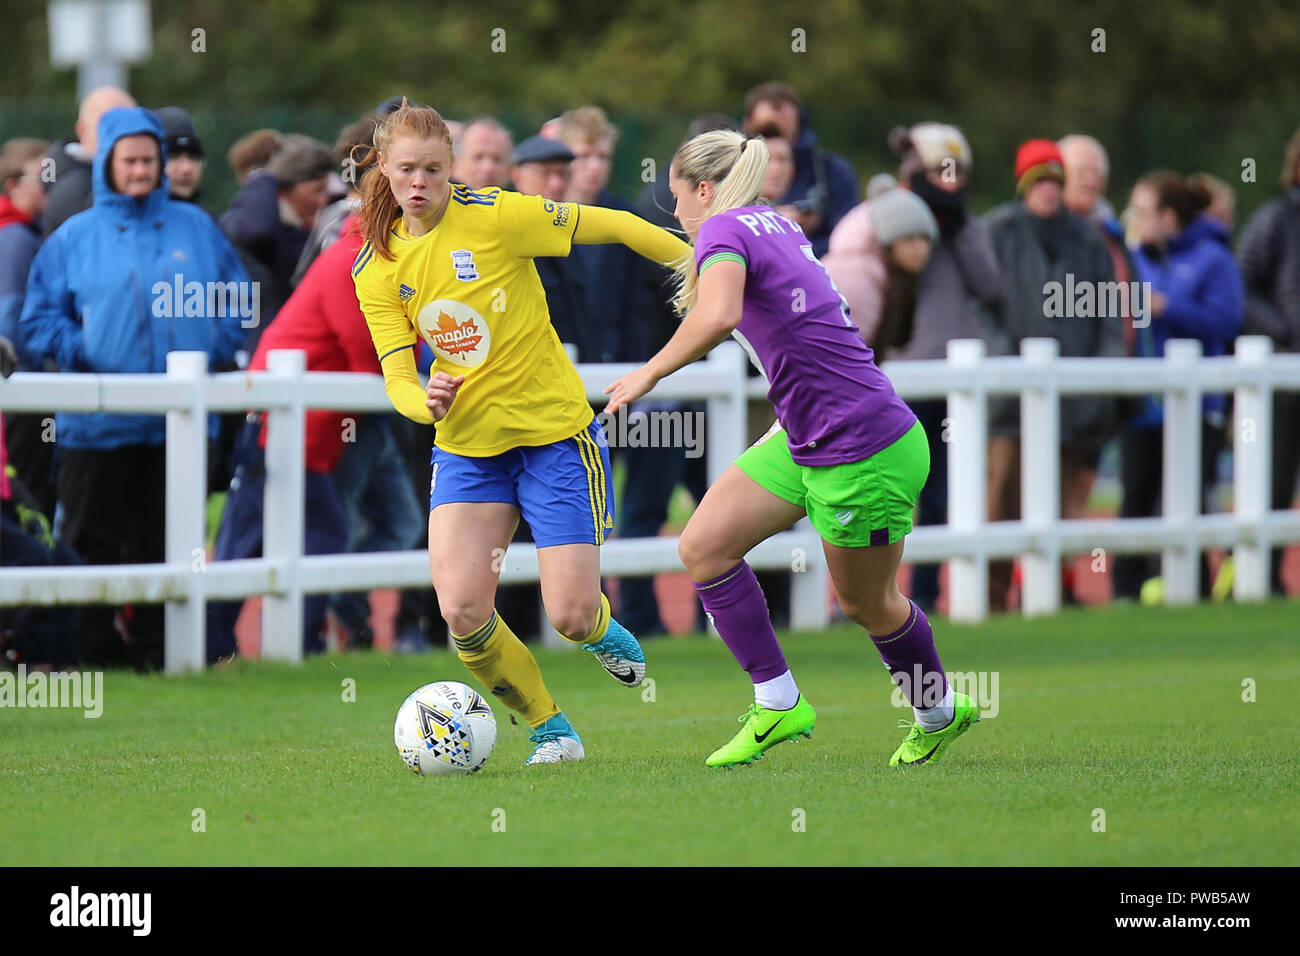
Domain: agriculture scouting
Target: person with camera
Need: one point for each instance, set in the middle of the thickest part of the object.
(825, 186)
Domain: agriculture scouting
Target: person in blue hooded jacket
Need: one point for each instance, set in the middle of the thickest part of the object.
(113, 290)
(1196, 293)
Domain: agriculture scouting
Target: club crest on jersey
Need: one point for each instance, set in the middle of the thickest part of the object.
(455, 331)
(405, 292)
(463, 260)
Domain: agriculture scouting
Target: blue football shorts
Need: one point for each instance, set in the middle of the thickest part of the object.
(564, 490)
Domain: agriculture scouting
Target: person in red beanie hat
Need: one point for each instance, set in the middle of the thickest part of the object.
(1040, 244)
(1040, 177)
(1038, 159)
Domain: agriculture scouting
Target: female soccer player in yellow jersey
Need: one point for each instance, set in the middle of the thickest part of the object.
(516, 435)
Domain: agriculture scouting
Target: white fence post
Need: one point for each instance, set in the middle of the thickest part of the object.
(185, 622)
(1181, 488)
(1252, 454)
(726, 430)
(1040, 481)
(726, 422)
(968, 575)
(810, 588)
(282, 510)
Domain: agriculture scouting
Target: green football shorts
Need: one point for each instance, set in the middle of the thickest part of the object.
(862, 503)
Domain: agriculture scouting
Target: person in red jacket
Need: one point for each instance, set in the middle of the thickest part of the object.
(323, 319)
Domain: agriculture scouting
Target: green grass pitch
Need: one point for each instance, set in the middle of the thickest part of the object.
(1135, 712)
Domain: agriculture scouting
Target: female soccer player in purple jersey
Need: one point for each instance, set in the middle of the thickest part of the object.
(846, 451)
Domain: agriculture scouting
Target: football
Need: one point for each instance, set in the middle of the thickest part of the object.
(445, 727)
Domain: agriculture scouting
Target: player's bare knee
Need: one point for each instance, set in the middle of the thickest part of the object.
(465, 619)
(700, 557)
(866, 610)
(576, 619)
(688, 551)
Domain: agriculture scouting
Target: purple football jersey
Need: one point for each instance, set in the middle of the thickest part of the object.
(835, 404)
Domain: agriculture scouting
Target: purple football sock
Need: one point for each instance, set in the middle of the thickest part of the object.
(735, 604)
(910, 655)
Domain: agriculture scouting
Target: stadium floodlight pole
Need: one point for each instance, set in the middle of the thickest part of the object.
(100, 38)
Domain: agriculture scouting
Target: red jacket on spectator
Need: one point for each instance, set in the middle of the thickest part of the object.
(323, 319)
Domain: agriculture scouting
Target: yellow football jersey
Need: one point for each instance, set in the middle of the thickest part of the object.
(469, 288)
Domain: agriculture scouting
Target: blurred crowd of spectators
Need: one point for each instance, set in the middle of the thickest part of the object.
(91, 227)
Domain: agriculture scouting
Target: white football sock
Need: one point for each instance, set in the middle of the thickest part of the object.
(779, 693)
(936, 718)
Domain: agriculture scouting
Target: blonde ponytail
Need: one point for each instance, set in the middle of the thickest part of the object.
(736, 166)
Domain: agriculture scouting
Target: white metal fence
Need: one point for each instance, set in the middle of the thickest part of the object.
(186, 394)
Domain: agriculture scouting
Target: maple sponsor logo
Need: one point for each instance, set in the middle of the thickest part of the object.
(456, 332)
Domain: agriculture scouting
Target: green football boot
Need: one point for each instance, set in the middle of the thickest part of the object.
(921, 747)
(764, 728)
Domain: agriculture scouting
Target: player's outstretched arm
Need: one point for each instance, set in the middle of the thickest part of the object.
(717, 312)
(596, 224)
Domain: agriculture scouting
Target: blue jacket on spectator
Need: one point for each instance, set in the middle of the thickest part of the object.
(1204, 299)
(102, 293)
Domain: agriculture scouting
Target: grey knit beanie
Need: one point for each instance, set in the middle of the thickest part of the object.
(899, 213)
(879, 183)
